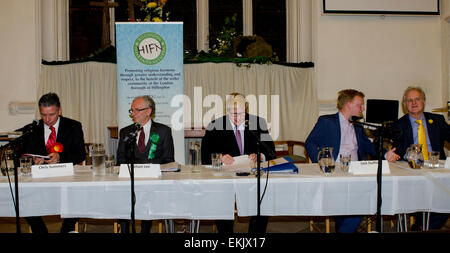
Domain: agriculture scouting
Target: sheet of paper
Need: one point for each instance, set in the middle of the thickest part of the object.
(243, 159)
(40, 156)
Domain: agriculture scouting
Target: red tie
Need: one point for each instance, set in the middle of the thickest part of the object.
(141, 141)
(51, 140)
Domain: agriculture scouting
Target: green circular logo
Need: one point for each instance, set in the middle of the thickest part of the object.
(149, 48)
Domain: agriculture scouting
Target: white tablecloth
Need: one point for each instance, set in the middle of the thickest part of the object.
(313, 194)
(212, 195)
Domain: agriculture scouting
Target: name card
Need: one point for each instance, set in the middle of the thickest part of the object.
(368, 167)
(52, 170)
(447, 163)
(141, 170)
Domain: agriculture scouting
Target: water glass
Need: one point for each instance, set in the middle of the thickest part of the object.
(345, 161)
(216, 161)
(109, 165)
(433, 159)
(97, 152)
(25, 166)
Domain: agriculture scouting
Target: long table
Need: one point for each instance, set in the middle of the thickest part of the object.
(211, 194)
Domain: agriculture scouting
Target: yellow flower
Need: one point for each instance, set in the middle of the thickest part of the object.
(151, 5)
(156, 19)
(430, 121)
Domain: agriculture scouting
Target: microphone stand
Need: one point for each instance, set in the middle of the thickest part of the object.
(131, 142)
(258, 170)
(380, 132)
(13, 144)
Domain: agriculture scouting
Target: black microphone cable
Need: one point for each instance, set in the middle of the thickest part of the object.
(9, 179)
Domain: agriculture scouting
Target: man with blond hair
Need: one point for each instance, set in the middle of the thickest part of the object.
(336, 131)
(233, 135)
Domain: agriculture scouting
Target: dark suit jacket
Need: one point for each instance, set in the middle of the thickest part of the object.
(327, 133)
(438, 132)
(70, 135)
(164, 149)
(219, 138)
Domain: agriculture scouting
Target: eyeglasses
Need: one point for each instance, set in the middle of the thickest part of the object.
(137, 109)
(413, 100)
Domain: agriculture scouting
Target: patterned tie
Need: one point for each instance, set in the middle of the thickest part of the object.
(238, 140)
(51, 140)
(141, 141)
(422, 139)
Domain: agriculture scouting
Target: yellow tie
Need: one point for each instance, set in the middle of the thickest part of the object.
(422, 139)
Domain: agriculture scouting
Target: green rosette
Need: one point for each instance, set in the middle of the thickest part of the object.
(154, 138)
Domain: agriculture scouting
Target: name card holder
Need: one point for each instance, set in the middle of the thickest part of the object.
(368, 167)
(141, 170)
(52, 170)
(447, 163)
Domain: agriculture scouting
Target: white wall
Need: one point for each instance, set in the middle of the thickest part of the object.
(380, 56)
(20, 58)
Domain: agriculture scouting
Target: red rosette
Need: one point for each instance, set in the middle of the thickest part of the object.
(57, 148)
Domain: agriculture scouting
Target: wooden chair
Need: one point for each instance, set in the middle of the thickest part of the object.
(287, 149)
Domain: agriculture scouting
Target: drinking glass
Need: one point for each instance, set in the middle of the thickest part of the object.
(345, 160)
(216, 161)
(109, 164)
(433, 159)
(25, 166)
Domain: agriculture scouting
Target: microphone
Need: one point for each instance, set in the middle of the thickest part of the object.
(355, 118)
(132, 134)
(29, 127)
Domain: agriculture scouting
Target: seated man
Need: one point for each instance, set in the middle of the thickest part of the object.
(231, 136)
(336, 131)
(143, 111)
(435, 132)
(54, 128)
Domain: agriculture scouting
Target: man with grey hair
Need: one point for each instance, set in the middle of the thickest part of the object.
(420, 127)
(154, 144)
(53, 128)
(233, 135)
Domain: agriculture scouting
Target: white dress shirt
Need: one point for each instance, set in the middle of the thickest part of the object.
(47, 131)
(349, 144)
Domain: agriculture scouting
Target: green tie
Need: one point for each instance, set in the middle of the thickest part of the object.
(422, 139)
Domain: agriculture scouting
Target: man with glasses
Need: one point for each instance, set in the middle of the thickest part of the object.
(235, 135)
(54, 128)
(435, 132)
(154, 144)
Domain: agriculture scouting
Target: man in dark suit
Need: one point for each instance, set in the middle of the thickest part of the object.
(54, 128)
(233, 135)
(336, 131)
(154, 144)
(437, 131)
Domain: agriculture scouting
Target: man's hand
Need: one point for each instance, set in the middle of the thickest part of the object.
(38, 160)
(227, 159)
(253, 157)
(391, 156)
(54, 158)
